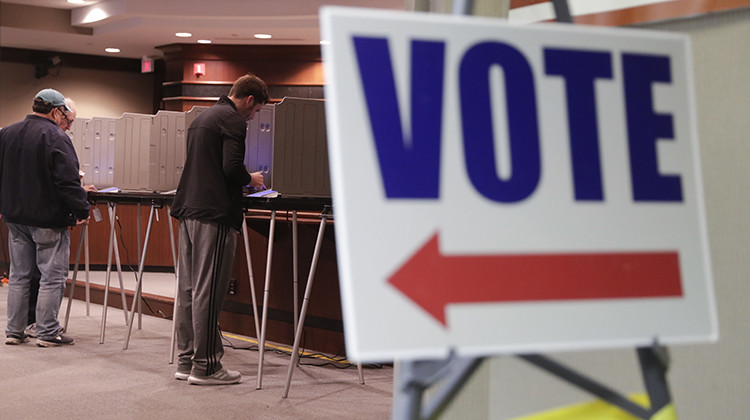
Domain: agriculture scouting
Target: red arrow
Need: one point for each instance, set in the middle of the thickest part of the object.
(433, 280)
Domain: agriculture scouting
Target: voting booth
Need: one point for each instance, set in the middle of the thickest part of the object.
(135, 152)
(287, 142)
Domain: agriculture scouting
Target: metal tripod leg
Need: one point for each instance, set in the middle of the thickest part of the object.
(246, 238)
(585, 383)
(562, 11)
(654, 365)
(139, 281)
(118, 264)
(295, 271)
(299, 325)
(75, 274)
(85, 233)
(361, 373)
(139, 223)
(266, 289)
(112, 212)
(305, 302)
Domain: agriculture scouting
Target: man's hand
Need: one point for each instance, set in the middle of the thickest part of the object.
(257, 181)
(90, 188)
(83, 221)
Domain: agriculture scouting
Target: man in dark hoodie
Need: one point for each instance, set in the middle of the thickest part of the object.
(40, 196)
(208, 203)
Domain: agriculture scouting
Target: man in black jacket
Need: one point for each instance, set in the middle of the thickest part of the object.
(65, 125)
(208, 203)
(40, 196)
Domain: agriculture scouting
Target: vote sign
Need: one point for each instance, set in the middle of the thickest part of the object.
(502, 188)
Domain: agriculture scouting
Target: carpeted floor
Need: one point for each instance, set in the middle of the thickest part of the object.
(96, 381)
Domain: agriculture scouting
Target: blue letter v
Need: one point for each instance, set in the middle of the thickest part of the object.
(409, 169)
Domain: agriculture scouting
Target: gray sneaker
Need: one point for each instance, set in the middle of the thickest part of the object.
(181, 376)
(60, 340)
(15, 339)
(222, 377)
(30, 330)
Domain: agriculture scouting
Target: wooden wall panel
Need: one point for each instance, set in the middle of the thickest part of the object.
(614, 15)
(282, 67)
(159, 255)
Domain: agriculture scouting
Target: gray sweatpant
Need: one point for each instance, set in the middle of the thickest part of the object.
(205, 266)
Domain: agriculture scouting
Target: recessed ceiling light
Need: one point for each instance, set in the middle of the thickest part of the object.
(95, 15)
(112, 50)
(183, 34)
(204, 41)
(262, 36)
(76, 1)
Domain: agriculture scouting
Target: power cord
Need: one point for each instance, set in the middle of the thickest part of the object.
(336, 361)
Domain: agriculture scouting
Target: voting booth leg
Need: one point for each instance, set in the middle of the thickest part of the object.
(413, 378)
(251, 278)
(73, 280)
(266, 289)
(118, 264)
(111, 213)
(300, 323)
(361, 373)
(305, 302)
(85, 233)
(141, 255)
(139, 281)
(295, 270)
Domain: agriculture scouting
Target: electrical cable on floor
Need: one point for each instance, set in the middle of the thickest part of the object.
(335, 361)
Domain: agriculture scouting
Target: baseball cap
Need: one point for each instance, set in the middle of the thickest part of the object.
(53, 97)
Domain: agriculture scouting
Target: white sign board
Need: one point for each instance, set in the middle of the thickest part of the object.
(502, 188)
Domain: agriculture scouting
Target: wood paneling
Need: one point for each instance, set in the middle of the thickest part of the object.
(660, 11)
(665, 10)
(225, 63)
(288, 70)
(159, 253)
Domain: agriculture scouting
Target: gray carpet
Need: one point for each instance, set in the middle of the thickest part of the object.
(90, 380)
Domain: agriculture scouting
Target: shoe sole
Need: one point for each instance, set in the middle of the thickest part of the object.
(181, 376)
(15, 341)
(192, 380)
(51, 344)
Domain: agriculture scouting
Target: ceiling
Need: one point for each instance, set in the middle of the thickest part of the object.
(136, 27)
